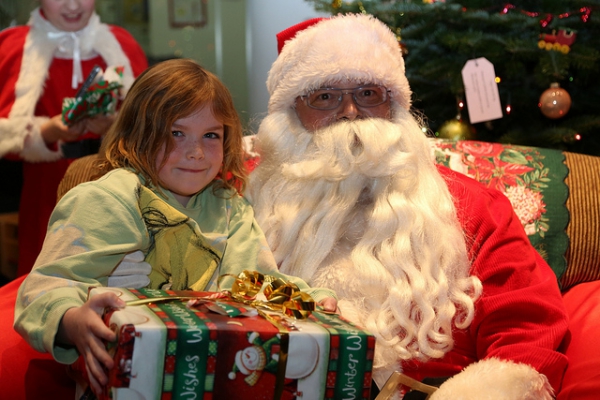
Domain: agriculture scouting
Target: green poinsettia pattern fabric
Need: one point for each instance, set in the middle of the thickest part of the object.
(532, 178)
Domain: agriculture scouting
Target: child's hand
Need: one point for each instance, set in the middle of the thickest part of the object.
(54, 130)
(99, 124)
(329, 304)
(83, 327)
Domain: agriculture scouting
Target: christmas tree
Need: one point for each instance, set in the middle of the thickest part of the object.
(532, 46)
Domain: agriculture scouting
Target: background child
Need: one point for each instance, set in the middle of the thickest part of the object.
(40, 64)
(176, 134)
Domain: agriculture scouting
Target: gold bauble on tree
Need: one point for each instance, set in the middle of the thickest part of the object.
(456, 129)
(555, 102)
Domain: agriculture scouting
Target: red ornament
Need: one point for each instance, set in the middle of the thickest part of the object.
(546, 21)
(585, 13)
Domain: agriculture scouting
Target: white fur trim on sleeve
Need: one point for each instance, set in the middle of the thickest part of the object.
(22, 135)
(34, 147)
(494, 379)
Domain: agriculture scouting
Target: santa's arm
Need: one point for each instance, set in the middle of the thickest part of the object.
(520, 319)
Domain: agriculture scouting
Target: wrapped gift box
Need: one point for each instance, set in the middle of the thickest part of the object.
(167, 349)
(99, 99)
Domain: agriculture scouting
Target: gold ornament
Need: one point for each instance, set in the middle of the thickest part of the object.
(555, 102)
(456, 129)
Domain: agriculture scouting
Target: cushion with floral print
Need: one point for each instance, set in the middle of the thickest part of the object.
(532, 178)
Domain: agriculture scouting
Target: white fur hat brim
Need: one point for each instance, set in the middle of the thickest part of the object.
(356, 47)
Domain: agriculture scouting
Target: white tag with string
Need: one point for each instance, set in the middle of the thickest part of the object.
(481, 90)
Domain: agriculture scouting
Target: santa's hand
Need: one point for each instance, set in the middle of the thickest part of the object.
(132, 272)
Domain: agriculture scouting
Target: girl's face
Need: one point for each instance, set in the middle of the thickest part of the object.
(68, 15)
(196, 157)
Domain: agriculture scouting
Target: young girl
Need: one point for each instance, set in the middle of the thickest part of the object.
(41, 63)
(175, 159)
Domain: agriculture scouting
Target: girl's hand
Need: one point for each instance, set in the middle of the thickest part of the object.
(99, 124)
(54, 130)
(83, 327)
(329, 304)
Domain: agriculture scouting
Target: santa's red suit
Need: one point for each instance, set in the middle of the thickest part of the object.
(37, 64)
(519, 318)
(519, 291)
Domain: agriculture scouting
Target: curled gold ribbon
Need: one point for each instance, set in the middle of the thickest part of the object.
(248, 284)
(282, 296)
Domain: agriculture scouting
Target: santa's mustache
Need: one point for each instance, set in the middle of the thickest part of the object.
(370, 147)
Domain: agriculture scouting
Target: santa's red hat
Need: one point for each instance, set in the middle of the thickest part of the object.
(290, 33)
(316, 52)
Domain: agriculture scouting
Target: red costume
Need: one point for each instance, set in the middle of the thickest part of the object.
(38, 65)
(517, 283)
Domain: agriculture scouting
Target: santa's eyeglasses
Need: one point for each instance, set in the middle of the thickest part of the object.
(331, 98)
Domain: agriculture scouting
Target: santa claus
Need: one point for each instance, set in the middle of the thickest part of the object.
(436, 266)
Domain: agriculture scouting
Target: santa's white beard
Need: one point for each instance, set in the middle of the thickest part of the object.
(360, 208)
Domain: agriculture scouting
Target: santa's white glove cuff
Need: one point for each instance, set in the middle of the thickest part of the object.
(132, 272)
(496, 379)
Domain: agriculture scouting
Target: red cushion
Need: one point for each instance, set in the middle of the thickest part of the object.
(582, 379)
(24, 372)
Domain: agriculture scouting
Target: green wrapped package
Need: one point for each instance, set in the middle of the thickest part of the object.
(100, 99)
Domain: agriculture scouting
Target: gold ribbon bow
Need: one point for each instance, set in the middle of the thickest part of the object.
(282, 296)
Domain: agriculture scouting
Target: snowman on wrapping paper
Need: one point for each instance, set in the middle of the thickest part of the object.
(256, 358)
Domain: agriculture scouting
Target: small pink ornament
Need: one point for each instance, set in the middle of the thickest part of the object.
(555, 102)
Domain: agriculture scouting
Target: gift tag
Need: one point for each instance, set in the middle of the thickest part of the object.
(481, 90)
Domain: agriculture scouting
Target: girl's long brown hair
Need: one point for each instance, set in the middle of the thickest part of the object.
(161, 95)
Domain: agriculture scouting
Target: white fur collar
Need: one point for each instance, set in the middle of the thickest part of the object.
(64, 42)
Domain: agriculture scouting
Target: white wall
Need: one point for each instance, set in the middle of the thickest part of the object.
(219, 45)
(240, 55)
(266, 18)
